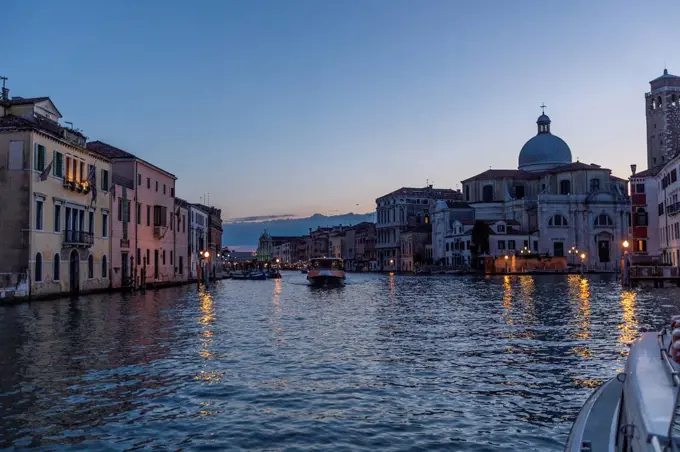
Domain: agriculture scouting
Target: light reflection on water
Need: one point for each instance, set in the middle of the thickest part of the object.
(388, 362)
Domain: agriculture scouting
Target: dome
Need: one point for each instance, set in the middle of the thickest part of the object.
(545, 150)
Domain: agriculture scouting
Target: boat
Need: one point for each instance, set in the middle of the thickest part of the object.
(326, 271)
(273, 273)
(249, 276)
(304, 270)
(639, 409)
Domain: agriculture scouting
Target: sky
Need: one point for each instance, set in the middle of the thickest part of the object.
(300, 107)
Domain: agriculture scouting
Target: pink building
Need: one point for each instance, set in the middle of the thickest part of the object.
(182, 230)
(144, 228)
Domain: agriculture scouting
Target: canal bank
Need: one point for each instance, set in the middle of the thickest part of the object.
(384, 362)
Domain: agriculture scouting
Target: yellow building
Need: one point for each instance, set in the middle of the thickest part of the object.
(54, 233)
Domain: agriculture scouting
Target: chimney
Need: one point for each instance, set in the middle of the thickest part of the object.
(633, 168)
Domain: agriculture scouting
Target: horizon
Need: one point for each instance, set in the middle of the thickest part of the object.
(378, 95)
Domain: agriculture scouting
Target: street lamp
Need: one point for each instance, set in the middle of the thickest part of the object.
(626, 245)
(506, 263)
(206, 254)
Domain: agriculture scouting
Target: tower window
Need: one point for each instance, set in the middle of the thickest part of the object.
(674, 99)
(658, 101)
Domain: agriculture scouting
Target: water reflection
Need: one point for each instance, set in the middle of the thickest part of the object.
(628, 328)
(206, 319)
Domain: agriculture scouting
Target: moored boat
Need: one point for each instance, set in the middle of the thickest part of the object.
(249, 275)
(326, 271)
(639, 409)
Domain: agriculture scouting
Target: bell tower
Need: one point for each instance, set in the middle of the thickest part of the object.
(662, 106)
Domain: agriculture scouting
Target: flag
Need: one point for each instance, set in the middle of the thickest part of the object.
(46, 172)
(92, 183)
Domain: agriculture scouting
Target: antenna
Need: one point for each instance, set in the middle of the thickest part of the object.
(5, 91)
(69, 123)
(4, 79)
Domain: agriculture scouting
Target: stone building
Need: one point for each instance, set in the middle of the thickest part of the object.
(568, 204)
(662, 107)
(198, 240)
(414, 242)
(54, 231)
(445, 213)
(400, 210)
(663, 220)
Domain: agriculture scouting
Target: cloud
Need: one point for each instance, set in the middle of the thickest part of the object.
(260, 218)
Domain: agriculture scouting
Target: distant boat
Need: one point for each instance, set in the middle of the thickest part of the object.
(304, 270)
(249, 276)
(326, 271)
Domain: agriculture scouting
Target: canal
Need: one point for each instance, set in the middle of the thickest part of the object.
(384, 363)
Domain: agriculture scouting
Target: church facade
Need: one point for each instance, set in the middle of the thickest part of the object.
(564, 205)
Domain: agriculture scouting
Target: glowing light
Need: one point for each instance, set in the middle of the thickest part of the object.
(583, 255)
(206, 254)
(626, 244)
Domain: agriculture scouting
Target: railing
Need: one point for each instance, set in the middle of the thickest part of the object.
(673, 209)
(78, 238)
(125, 243)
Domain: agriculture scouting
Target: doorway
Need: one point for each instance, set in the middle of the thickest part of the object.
(124, 269)
(155, 264)
(558, 249)
(74, 272)
(603, 250)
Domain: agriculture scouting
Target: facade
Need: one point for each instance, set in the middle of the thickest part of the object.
(566, 204)
(153, 239)
(123, 232)
(400, 210)
(198, 240)
(364, 243)
(179, 255)
(413, 247)
(662, 107)
(646, 209)
(666, 224)
(55, 231)
(349, 249)
(445, 213)
(336, 244)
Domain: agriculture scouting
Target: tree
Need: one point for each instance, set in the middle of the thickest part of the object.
(480, 241)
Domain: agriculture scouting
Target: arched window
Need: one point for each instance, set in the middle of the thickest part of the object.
(603, 220)
(641, 217)
(565, 187)
(37, 276)
(658, 101)
(90, 267)
(653, 105)
(558, 221)
(105, 268)
(56, 265)
(487, 193)
(674, 100)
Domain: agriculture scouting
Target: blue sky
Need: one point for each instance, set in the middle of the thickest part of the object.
(279, 107)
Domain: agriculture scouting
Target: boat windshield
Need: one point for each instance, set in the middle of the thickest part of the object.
(334, 264)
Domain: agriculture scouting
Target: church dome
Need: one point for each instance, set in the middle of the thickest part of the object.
(545, 150)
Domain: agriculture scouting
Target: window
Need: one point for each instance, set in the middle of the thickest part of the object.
(39, 215)
(536, 245)
(594, 184)
(120, 209)
(148, 182)
(641, 246)
(37, 273)
(90, 267)
(83, 176)
(58, 164)
(501, 244)
(139, 180)
(603, 220)
(674, 175)
(184, 223)
(160, 216)
(641, 217)
(156, 185)
(139, 256)
(148, 215)
(487, 193)
(500, 228)
(163, 257)
(639, 188)
(105, 224)
(565, 187)
(467, 192)
(447, 246)
(519, 191)
(105, 180)
(181, 265)
(39, 157)
(172, 191)
(148, 256)
(511, 244)
(16, 155)
(57, 218)
(526, 244)
(139, 213)
(55, 267)
(172, 259)
(105, 269)
(660, 208)
(558, 221)
(163, 188)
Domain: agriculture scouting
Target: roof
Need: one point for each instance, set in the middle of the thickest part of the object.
(37, 122)
(181, 203)
(457, 205)
(27, 101)
(528, 175)
(651, 172)
(665, 75)
(115, 153)
(425, 191)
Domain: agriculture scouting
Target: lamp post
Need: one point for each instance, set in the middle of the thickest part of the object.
(583, 258)
(506, 263)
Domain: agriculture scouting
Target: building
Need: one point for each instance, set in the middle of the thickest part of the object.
(349, 248)
(214, 236)
(55, 230)
(414, 243)
(198, 240)
(399, 211)
(663, 221)
(662, 108)
(336, 243)
(645, 211)
(569, 205)
(445, 213)
(123, 232)
(151, 237)
(364, 244)
(179, 255)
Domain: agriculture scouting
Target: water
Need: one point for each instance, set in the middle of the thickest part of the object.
(384, 363)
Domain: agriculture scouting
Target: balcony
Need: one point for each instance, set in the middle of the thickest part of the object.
(159, 231)
(78, 238)
(125, 243)
(77, 186)
(673, 209)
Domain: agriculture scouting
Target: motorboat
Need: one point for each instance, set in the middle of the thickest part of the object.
(273, 273)
(326, 271)
(249, 275)
(639, 409)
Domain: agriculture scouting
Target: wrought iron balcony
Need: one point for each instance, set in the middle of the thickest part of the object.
(78, 238)
(125, 243)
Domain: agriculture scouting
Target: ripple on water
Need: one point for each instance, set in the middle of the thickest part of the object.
(386, 362)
